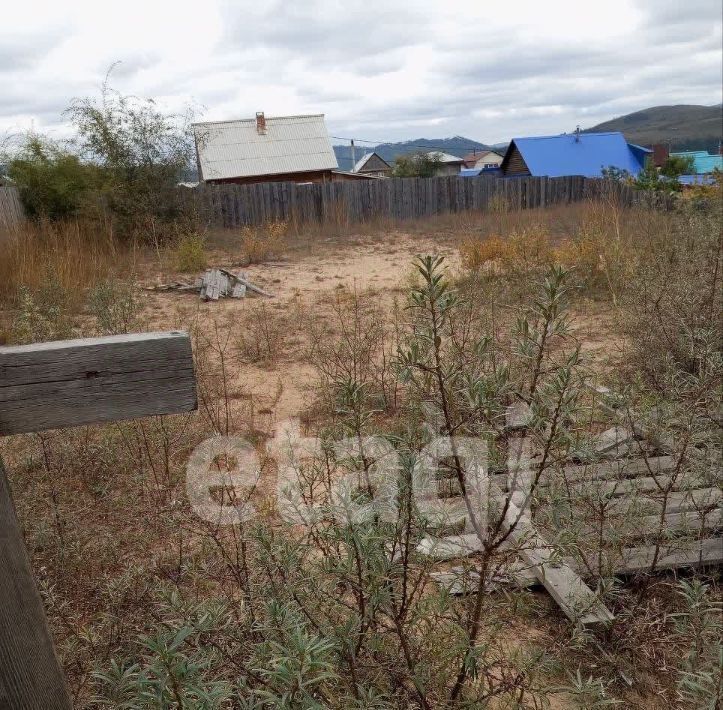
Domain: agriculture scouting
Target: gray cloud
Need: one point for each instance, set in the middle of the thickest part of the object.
(395, 70)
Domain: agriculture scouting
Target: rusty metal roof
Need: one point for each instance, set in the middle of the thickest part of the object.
(289, 144)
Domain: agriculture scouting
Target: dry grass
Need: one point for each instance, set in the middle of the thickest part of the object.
(78, 254)
(262, 243)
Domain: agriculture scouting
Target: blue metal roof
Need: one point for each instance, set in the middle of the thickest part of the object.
(696, 180)
(580, 154)
(470, 172)
(703, 162)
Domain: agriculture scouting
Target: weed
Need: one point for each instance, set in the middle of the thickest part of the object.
(116, 308)
(262, 243)
(190, 253)
(42, 314)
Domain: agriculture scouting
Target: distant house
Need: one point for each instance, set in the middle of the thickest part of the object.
(266, 149)
(703, 162)
(448, 164)
(482, 159)
(372, 164)
(586, 154)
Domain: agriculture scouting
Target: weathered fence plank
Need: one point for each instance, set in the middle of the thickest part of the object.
(12, 213)
(30, 675)
(74, 382)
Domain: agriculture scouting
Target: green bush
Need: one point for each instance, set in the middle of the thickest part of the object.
(191, 253)
(53, 182)
(115, 307)
(43, 314)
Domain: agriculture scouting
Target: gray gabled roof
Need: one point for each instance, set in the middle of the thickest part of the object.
(445, 157)
(365, 159)
(289, 144)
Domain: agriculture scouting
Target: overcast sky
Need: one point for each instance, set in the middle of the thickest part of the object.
(379, 69)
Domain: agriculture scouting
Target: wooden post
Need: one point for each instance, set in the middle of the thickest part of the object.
(53, 385)
(30, 674)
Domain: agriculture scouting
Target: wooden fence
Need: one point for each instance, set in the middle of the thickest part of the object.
(11, 209)
(397, 198)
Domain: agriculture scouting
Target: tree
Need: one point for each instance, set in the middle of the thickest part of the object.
(650, 179)
(141, 153)
(677, 165)
(53, 182)
(417, 165)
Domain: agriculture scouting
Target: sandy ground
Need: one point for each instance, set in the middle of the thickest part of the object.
(300, 281)
(307, 281)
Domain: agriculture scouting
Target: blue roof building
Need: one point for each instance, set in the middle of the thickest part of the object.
(703, 162)
(586, 154)
(702, 179)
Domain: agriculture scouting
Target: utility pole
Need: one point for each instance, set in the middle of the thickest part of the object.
(353, 156)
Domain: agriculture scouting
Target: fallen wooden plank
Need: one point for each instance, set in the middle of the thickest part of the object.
(642, 484)
(614, 470)
(700, 499)
(73, 382)
(616, 441)
(677, 501)
(214, 285)
(632, 560)
(244, 281)
(687, 522)
(238, 290)
(578, 602)
(450, 547)
(458, 580)
(518, 415)
(629, 560)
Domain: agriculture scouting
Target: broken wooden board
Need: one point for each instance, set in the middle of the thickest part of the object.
(215, 284)
(242, 280)
(579, 603)
(628, 561)
(73, 382)
(459, 581)
(635, 560)
(603, 470)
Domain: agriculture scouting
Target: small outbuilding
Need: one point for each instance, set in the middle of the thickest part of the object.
(372, 164)
(482, 159)
(448, 164)
(703, 162)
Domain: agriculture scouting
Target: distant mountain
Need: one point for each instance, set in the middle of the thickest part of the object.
(685, 127)
(458, 146)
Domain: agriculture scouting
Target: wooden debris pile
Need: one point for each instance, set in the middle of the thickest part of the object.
(215, 284)
(658, 515)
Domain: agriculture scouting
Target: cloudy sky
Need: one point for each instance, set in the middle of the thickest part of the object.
(383, 70)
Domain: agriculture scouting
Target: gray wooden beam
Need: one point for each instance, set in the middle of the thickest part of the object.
(94, 380)
(30, 675)
(64, 384)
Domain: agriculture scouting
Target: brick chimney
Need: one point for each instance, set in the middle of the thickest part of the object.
(260, 123)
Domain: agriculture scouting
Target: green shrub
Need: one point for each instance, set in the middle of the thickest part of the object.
(52, 181)
(43, 313)
(191, 253)
(115, 307)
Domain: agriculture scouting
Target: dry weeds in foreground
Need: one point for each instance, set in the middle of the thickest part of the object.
(173, 612)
